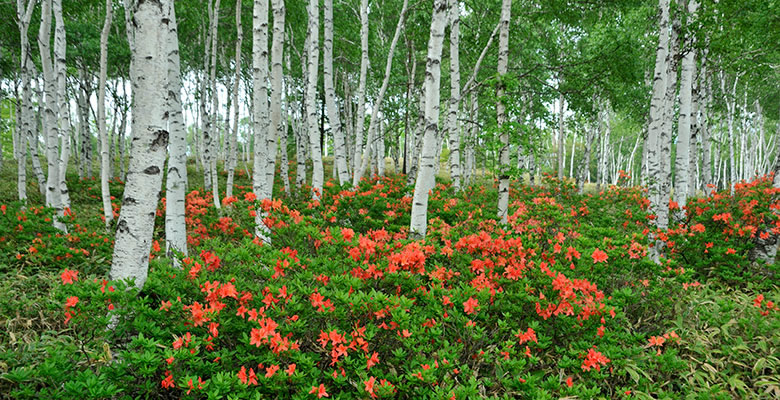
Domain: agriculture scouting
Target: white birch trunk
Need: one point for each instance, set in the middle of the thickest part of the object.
(24, 11)
(51, 111)
(682, 165)
(213, 145)
(361, 93)
(453, 126)
(108, 211)
(503, 58)
(232, 156)
(657, 204)
(150, 139)
(60, 47)
(425, 177)
(340, 156)
(561, 137)
(375, 120)
(311, 99)
(260, 109)
(176, 178)
(275, 129)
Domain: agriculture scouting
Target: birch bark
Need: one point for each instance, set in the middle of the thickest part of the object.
(150, 139)
(656, 119)
(176, 178)
(425, 177)
(503, 58)
(108, 212)
(260, 108)
(311, 99)
(232, 156)
(682, 165)
(24, 11)
(275, 129)
(361, 93)
(375, 120)
(340, 156)
(63, 106)
(453, 127)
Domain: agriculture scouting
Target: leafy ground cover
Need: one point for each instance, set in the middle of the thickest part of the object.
(562, 302)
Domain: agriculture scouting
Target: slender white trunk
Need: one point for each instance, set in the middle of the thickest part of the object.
(682, 165)
(51, 111)
(60, 46)
(361, 93)
(108, 212)
(213, 145)
(311, 99)
(425, 177)
(150, 139)
(24, 11)
(276, 123)
(503, 58)
(375, 120)
(231, 159)
(260, 108)
(340, 156)
(657, 203)
(453, 126)
(176, 178)
(561, 137)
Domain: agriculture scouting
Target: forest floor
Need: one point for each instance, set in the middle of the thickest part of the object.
(562, 302)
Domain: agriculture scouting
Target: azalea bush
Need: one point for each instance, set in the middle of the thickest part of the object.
(339, 302)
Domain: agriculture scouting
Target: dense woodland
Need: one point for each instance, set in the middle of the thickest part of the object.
(389, 198)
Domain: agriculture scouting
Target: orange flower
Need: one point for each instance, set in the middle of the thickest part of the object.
(470, 305)
(319, 391)
(599, 256)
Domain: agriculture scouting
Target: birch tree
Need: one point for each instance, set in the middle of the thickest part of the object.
(425, 176)
(276, 127)
(503, 58)
(51, 111)
(135, 226)
(176, 178)
(657, 203)
(311, 99)
(453, 127)
(375, 119)
(361, 92)
(260, 107)
(231, 158)
(24, 11)
(340, 156)
(682, 165)
(212, 145)
(63, 106)
(108, 212)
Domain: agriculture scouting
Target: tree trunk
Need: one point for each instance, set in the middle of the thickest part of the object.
(311, 99)
(340, 156)
(212, 145)
(585, 165)
(276, 125)
(150, 139)
(25, 130)
(361, 93)
(682, 165)
(372, 126)
(503, 58)
(176, 178)
(657, 205)
(60, 46)
(561, 138)
(453, 127)
(51, 112)
(108, 212)
(425, 177)
(232, 156)
(260, 109)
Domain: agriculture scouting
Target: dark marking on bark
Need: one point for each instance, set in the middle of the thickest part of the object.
(128, 201)
(160, 140)
(153, 170)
